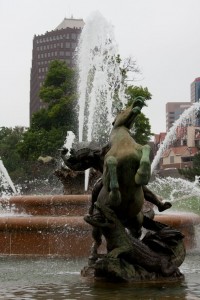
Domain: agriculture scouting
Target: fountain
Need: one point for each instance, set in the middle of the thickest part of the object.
(188, 114)
(52, 225)
(100, 80)
(5, 179)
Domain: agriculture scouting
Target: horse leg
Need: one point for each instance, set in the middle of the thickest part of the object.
(154, 199)
(96, 234)
(134, 225)
(111, 182)
(144, 172)
(95, 193)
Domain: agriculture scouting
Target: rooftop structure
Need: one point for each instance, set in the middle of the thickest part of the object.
(70, 23)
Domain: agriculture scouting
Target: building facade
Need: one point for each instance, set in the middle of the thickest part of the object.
(195, 90)
(60, 44)
(178, 157)
(173, 111)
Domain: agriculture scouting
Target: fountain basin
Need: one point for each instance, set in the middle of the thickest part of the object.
(185, 222)
(45, 236)
(34, 205)
(53, 225)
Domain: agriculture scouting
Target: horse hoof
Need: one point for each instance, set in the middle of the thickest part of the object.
(164, 206)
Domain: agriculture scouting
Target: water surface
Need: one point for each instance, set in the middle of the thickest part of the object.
(55, 279)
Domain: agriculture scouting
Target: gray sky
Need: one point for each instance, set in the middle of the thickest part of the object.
(163, 36)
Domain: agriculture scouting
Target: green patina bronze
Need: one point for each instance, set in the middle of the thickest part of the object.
(117, 206)
(126, 169)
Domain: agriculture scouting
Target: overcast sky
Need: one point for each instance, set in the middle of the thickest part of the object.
(163, 36)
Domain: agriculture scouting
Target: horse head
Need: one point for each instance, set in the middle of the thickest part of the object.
(127, 116)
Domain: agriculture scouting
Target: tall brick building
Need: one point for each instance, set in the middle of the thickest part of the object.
(59, 43)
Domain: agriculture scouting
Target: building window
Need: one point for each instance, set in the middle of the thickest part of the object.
(171, 159)
(73, 45)
(68, 53)
(67, 36)
(73, 35)
(67, 45)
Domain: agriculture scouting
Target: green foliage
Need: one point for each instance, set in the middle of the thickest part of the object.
(9, 138)
(190, 173)
(41, 143)
(141, 129)
(41, 120)
(135, 91)
(59, 82)
(49, 126)
(196, 161)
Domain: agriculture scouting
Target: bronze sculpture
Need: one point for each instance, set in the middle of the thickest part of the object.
(117, 205)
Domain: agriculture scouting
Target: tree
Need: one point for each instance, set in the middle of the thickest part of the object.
(58, 92)
(41, 143)
(49, 125)
(190, 173)
(59, 82)
(9, 138)
(141, 129)
(135, 91)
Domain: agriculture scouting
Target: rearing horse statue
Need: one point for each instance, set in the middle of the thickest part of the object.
(126, 169)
